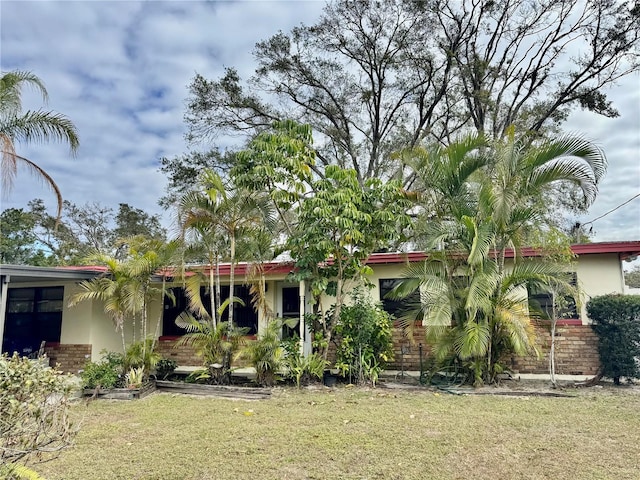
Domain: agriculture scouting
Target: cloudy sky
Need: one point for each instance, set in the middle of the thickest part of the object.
(119, 70)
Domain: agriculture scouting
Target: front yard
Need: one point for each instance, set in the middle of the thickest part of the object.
(357, 434)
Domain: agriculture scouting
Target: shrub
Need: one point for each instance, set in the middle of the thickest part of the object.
(616, 321)
(34, 401)
(304, 370)
(366, 343)
(165, 367)
(266, 354)
(141, 354)
(107, 373)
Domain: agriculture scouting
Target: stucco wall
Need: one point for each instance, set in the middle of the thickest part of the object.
(599, 275)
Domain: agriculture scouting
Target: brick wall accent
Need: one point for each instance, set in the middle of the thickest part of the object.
(70, 357)
(184, 355)
(576, 351)
(406, 351)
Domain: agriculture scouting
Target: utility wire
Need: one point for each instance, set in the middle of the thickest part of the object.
(612, 210)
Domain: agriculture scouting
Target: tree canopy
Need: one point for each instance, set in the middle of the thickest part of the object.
(371, 78)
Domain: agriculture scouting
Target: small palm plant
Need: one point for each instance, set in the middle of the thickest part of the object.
(267, 355)
(216, 345)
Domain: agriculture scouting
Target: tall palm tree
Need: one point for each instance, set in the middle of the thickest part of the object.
(113, 288)
(26, 127)
(236, 213)
(466, 286)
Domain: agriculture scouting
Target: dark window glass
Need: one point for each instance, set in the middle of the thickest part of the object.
(400, 307)
(243, 315)
(542, 303)
(33, 315)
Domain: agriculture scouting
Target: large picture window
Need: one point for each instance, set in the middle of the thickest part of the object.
(33, 315)
(397, 308)
(541, 303)
(243, 315)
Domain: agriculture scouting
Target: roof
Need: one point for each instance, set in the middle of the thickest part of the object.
(626, 250)
(26, 273)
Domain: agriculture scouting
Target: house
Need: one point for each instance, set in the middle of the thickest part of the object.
(34, 308)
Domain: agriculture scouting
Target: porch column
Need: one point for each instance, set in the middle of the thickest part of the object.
(301, 327)
(4, 280)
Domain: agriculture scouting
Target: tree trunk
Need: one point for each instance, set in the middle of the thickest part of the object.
(232, 278)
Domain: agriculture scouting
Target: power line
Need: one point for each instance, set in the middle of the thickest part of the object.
(612, 210)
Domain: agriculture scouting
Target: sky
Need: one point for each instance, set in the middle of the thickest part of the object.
(120, 70)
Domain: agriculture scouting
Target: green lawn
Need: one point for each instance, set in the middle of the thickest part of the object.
(357, 434)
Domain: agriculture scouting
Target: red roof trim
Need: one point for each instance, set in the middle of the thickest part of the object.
(625, 249)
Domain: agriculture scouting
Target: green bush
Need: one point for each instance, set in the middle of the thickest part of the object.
(34, 401)
(107, 373)
(165, 367)
(266, 354)
(616, 321)
(141, 354)
(304, 370)
(366, 343)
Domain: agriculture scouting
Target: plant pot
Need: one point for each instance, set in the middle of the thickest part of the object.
(329, 379)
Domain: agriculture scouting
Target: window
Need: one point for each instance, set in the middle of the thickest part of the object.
(397, 308)
(243, 315)
(33, 315)
(541, 302)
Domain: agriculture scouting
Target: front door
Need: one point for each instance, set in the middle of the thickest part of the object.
(290, 312)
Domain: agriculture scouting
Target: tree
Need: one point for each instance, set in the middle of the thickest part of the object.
(219, 209)
(338, 228)
(487, 200)
(127, 286)
(182, 169)
(332, 222)
(632, 277)
(374, 77)
(80, 231)
(16, 237)
(27, 127)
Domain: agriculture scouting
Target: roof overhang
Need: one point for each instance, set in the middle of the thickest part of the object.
(28, 273)
(625, 250)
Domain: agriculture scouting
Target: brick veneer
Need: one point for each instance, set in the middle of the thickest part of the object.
(70, 357)
(576, 351)
(406, 351)
(184, 355)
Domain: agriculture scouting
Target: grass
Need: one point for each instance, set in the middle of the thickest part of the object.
(357, 434)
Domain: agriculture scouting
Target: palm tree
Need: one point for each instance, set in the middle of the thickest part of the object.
(474, 307)
(234, 213)
(29, 126)
(113, 288)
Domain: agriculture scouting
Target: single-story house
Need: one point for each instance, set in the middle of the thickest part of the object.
(34, 308)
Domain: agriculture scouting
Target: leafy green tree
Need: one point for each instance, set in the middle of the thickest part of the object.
(26, 127)
(80, 230)
(17, 240)
(632, 277)
(182, 169)
(338, 228)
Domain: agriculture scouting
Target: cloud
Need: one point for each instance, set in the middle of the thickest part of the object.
(120, 71)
